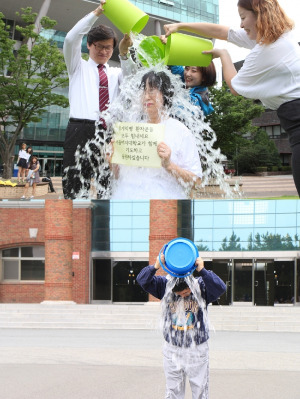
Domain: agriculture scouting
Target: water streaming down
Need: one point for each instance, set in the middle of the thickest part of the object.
(179, 322)
(128, 108)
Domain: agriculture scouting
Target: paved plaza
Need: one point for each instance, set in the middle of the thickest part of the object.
(251, 186)
(121, 364)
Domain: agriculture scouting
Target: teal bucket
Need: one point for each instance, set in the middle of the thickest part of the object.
(180, 257)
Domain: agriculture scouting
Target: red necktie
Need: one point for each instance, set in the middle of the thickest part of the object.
(103, 90)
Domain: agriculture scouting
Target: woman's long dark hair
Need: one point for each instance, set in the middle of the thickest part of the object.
(161, 82)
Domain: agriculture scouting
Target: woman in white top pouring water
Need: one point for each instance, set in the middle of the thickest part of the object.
(271, 71)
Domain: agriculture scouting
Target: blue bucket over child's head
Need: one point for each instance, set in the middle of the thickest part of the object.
(180, 257)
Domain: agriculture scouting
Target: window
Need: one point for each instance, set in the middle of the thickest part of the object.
(23, 264)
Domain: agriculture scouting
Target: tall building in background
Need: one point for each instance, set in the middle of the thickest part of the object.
(47, 136)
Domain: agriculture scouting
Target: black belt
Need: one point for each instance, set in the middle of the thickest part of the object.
(82, 120)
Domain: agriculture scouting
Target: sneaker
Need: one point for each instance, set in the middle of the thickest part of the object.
(23, 197)
(32, 197)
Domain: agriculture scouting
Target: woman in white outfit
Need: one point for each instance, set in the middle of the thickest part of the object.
(180, 167)
(271, 71)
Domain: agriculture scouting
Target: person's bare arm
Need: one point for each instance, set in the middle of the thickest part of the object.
(229, 70)
(200, 264)
(99, 10)
(204, 29)
(124, 45)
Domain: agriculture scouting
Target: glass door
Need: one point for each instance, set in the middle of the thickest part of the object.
(223, 269)
(284, 277)
(242, 280)
(297, 299)
(125, 287)
(264, 282)
(52, 167)
(101, 280)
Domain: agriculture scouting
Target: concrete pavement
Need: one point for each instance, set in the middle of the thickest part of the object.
(113, 364)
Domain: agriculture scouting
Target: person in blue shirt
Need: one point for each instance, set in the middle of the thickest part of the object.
(197, 80)
(185, 325)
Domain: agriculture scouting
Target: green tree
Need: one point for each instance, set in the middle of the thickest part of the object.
(260, 151)
(272, 242)
(266, 149)
(202, 247)
(232, 244)
(29, 77)
(232, 119)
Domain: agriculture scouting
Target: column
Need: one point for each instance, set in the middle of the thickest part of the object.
(58, 250)
(163, 228)
(42, 13)
(157, 27)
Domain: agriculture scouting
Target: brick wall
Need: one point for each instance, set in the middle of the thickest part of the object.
(58, 250)
(82, 228)
(21, 293)
(163, 228)
(14, 232)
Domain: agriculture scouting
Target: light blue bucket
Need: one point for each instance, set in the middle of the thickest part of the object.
(180, 257)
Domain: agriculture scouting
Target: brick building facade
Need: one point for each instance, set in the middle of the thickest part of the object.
(91, 251)
(63, 229)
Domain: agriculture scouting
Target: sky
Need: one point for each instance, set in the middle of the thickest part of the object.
(228, 15)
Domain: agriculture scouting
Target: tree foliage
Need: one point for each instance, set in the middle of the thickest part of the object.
(232, 119)
(202, 247)
(272, 242)
(29, 76)
(261, 242)
(233, 244)
(261, 151)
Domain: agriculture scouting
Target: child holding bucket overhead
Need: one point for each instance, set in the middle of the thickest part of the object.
(270, 72)
(185, 324)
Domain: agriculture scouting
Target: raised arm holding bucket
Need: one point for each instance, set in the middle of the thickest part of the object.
(185, 323)
(270, 72)
(125, 16)
(93, 84)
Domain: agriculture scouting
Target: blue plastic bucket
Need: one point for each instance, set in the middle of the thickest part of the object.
(180, 257)
(15, 170)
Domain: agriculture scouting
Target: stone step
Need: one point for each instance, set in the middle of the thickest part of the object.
(222, 318)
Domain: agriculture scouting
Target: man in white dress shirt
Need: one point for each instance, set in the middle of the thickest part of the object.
(84, 97)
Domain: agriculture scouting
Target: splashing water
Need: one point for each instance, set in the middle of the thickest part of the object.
(184, 323)
(128, 108)
(179, 316)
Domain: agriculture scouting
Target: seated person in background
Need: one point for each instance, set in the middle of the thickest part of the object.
(180, 167)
